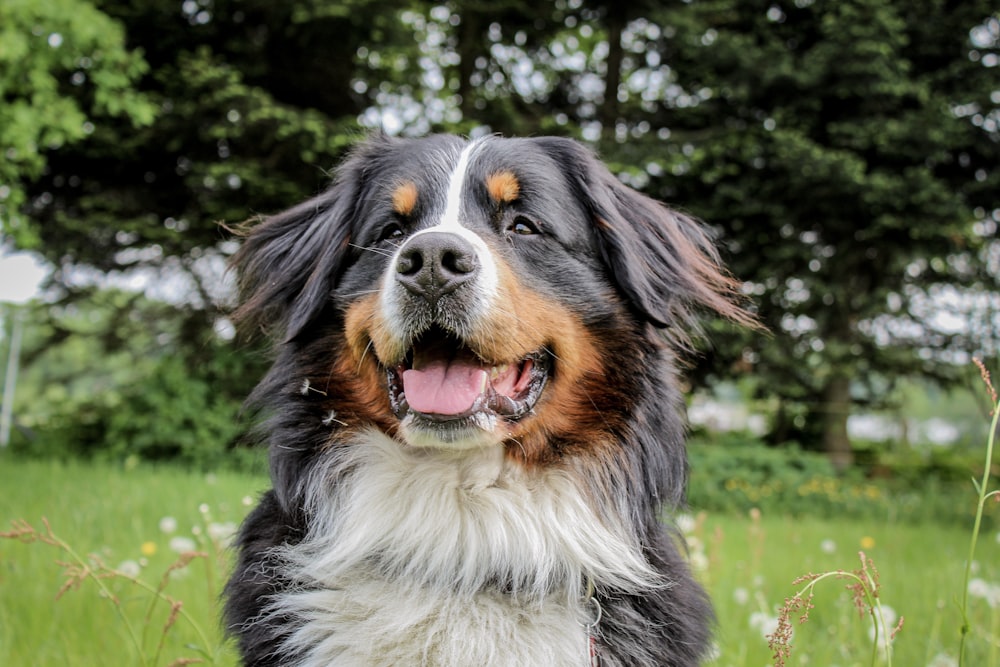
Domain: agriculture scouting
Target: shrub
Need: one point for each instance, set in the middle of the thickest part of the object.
(734, 472)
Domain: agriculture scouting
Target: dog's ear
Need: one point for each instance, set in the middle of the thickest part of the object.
(662, 261)
(288, 263)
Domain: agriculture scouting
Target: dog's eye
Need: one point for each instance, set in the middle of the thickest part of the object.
(391, 232)
(523, 226)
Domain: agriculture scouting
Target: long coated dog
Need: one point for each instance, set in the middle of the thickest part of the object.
(474, 417)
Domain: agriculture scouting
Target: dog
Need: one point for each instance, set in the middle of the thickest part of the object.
(474, 414)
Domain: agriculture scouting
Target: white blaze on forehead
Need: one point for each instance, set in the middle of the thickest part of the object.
(453, 202)
(485, 286)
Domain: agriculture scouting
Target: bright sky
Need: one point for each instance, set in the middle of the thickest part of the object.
(20, 274)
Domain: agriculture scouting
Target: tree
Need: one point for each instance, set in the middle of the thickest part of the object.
(193, 114)
(849, 154)
(64, 69)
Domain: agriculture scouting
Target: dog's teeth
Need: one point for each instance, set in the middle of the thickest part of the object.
(496, 371)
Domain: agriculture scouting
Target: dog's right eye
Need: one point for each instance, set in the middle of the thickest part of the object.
(391, 232)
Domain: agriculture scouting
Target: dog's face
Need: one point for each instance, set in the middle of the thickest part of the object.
(495, 291)
(482, 277)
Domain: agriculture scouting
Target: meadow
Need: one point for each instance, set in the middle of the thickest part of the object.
(138, 520)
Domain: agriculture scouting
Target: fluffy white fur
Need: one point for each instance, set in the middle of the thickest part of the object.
(407, 550)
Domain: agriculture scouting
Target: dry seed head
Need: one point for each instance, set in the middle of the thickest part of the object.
(985, 374)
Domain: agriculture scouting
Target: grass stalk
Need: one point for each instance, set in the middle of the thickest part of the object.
(80, 569)
(984, 495)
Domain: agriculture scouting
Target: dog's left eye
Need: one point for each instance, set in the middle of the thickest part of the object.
(523, 226)
(391, 232)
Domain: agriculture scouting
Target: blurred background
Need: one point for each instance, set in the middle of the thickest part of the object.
(846, 154)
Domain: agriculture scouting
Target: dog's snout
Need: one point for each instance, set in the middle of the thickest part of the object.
(436, 263)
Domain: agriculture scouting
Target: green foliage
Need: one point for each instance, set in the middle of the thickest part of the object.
(735, 473)
(172, 413)
(151, 398)
(64, 68)
(173, 416)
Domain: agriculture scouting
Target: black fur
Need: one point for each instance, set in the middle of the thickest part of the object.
(629, 267)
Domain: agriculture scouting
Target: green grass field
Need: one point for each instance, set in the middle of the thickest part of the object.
(748, 564)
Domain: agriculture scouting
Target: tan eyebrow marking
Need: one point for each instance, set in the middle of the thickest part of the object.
(503, 187)
(404, 198)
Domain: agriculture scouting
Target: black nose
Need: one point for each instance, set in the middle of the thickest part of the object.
(435, 263)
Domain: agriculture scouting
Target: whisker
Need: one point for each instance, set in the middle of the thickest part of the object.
(364, 354)
(377, 251)
(351, 295)
(520, 446)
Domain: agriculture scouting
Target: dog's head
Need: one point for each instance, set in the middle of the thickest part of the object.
(471, 293)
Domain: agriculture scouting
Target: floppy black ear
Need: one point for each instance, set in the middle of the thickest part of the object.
(662, 261)
(288, 262)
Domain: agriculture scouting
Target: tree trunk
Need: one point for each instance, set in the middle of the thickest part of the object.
(834, 412)
(608, 112)
(469, 47)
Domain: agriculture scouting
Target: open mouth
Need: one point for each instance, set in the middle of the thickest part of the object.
(442, 380)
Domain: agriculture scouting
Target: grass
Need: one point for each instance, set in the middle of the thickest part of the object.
(753, 562)
(748, 563)
(115, 515)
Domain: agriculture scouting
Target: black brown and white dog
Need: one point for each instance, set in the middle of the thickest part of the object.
(473, 416)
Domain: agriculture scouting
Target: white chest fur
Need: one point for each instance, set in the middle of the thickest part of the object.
(425, 557)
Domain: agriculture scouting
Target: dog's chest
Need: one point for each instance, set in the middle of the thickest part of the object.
(422, 560)
(375, 622)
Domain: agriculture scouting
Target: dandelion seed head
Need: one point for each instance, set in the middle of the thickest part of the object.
(699, 561)
(247, 501)
(714, 652)
(130, 568)
(203, 508)
(222, 532)
(182, 544)
(686, 523)
(985, 590)
(168, 524)
(828, 546)
(883, 628)
(764, 623)
(943, 660)
(741, 596)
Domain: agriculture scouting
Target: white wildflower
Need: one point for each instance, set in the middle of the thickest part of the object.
(686, 523)
(168, 524)
(943, 660)
(130, 568)
(985, 590)
(764, 623)
(885, 619)
(182, 544)
(222, 533)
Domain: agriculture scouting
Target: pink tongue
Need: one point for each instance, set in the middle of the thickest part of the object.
(444, 387)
